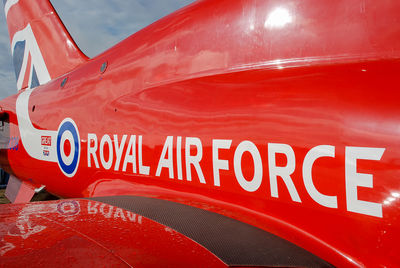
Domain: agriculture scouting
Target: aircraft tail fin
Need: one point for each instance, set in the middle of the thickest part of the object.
(41, 47)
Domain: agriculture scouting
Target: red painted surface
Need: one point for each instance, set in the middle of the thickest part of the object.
(40, 16)
(89, 233)
(324, 73)
(19, 191)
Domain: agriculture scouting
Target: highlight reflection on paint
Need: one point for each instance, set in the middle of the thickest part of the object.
(278, 18)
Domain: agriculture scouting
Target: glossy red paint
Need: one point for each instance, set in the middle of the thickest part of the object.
(298, 73)
(42, 19)
(88, 233)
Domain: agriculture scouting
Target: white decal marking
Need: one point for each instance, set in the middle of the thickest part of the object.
(32, 49)
(309, 160)
(194, 159)
(130, 154)
(355, 179)
(92, 139)
(31, 137)
(8, 5)
(144, 170)
(219, 164)
(166, 162)
(255, 183)
(283, 172)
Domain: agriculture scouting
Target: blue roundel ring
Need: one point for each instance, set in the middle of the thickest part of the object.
(69, 170)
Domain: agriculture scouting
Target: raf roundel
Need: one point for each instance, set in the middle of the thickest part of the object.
(68, 147)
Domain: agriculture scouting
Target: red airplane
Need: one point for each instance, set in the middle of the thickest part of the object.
(229, 133)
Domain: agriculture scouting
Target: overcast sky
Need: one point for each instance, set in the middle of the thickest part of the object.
(95, 26)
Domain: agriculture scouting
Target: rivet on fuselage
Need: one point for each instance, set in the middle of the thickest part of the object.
(64, 81)
(103, 67)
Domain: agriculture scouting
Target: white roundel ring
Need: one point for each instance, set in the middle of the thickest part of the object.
(68, 133)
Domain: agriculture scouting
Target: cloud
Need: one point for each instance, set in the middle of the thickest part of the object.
(95, 25)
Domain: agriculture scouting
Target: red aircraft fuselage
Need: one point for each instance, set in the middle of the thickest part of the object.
(283, 115)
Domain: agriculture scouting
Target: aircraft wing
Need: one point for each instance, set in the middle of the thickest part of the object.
(137, 231)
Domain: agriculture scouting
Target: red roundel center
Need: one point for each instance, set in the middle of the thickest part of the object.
(67, 147)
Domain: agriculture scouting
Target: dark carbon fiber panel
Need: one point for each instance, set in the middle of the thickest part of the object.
(234, 242)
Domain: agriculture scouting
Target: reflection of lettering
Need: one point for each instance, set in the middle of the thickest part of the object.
(132, 217)
(68, 208)
(5, 247)
(109, 211)
(169, 230)
(119, 213)
(24, 228)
